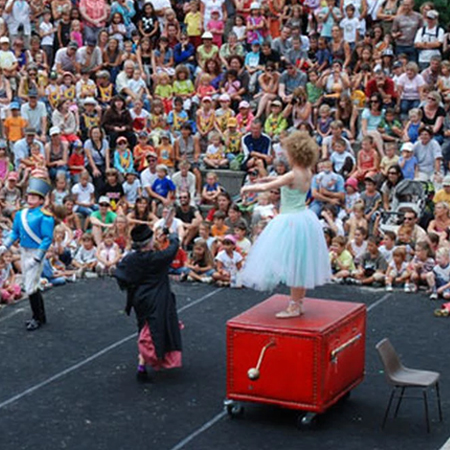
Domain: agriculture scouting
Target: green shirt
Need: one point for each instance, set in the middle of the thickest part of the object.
(313, 92)
(109, 218)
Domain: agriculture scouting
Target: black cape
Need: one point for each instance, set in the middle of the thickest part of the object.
(144, 275)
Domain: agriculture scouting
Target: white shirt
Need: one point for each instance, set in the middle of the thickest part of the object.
(147, 180)
(45, 28)
(19, 15)
(131, 190)
(350, 27)
(7, 59)
(83, 193)
(426, 34)
(229, 263)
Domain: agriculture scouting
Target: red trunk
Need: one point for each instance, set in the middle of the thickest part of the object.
(310, 362)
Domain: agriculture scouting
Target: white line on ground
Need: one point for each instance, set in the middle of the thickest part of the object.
(378, 302)
(222, 414)
(200, 430)
(14, 313)
(446, 446)
(82, 363)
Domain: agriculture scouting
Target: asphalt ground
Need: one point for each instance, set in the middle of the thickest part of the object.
(71, 385)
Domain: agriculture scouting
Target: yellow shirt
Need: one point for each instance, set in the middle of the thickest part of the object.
(193, 23)
(441, 196)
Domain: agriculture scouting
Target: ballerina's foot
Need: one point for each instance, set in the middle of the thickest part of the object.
(293, 310)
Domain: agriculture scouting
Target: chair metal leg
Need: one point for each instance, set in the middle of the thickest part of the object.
(427, 418)
(399, 401)
(388, 406)
(438, 395)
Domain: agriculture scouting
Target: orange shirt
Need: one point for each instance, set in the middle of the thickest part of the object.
(14, 127)
(219, 232)
(140, 151)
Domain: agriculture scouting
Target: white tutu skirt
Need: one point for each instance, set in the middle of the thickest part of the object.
(290, 250)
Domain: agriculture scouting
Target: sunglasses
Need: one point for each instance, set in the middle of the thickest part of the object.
(104, 204)
(374, 101)
(431, 99)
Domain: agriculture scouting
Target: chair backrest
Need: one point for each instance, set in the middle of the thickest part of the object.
(389, 358)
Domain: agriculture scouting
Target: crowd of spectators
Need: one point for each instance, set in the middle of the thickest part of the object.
(135, 107)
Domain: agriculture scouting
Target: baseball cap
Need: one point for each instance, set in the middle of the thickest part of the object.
(90, 101)
(207, 35)
(207, 98)
(276, 103)
(54, 130)
(407, 147)
(432, 14)
(369, 178)
(91, 41)
(255, 5)
(32, 93)
(3, 143)
(446, 181)
(143, 134)
(14, 105)
(30, 130)
(224, 98)
(73, 44)
(4, 40)
(13, 176)
(397, 65)
(121, 139)
(77, 144)
(104, 199)
(151, 155)
(229, 237)
(244, 104)
(232, 122)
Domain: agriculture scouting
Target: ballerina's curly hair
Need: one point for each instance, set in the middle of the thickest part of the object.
(302, 148)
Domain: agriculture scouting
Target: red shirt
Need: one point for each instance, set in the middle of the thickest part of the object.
(76, 160)
(389, 88)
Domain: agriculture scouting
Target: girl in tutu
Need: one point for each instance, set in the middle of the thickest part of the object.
(292, 248)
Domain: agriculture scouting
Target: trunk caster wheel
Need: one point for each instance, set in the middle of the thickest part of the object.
(307, 421)
(234, 409)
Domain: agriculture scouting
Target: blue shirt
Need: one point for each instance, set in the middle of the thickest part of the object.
(41, 223)
(409, 168)
(260, 145)
(162, 186)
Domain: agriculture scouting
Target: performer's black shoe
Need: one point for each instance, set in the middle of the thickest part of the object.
(142, 376)
(33, 325)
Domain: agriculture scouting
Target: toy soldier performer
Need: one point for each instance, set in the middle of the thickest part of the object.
(33, 227)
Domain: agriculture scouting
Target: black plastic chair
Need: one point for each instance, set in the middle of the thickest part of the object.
(401, 377)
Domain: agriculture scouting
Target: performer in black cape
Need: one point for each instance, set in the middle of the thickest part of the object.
(144, 275)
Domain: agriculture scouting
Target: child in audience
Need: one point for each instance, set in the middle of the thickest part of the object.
(85, 259)
(389, 159)
(131, 188)
(200, 266)
(15, 124)
(61, 190)
(243, 243)
(408, 162)
(228, 263)
(351, 194)
(388, 246)
(397, 272)
(373, 265)
(264, 210)
(342, 263)
(215, 154)
(343, 161)
(114, 191)
(165, 151)
(358, 245)
(219, 229)
(440, 276)
(357, 220)
(163, 189)
(123, 158)
(84, 195)
(422, 267)
(368, 160)
(108, 255)
(72, 220)
(411, 133)
(76, 161)
(211, 189)
(9, 289)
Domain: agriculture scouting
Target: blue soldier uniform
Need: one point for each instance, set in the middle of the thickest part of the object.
(33, 227)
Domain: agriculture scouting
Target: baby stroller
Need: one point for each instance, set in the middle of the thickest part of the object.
(407, 194)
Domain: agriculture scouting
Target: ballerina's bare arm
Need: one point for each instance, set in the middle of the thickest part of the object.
(285, 180)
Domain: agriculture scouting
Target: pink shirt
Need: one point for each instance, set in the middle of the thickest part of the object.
(94, 9)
